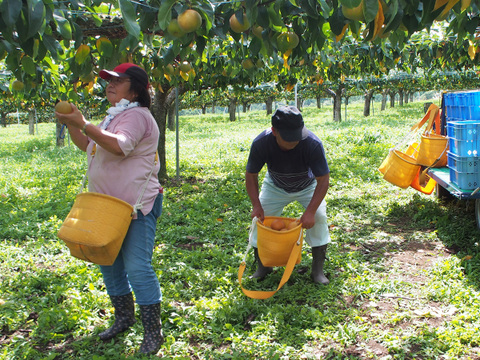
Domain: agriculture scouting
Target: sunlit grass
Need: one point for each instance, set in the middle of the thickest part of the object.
(55, 305)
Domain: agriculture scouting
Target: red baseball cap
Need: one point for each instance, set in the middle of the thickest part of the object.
(126, 70)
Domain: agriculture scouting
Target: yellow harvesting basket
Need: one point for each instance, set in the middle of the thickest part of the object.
(399, 168)
(95, 227)
(275, 247)
(433, 150)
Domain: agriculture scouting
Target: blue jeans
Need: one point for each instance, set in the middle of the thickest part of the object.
(133, 267)
(274, 199)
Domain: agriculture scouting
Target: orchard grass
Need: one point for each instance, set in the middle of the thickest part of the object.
(404, 267)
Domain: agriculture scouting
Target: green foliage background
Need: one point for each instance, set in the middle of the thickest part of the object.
(52, 305)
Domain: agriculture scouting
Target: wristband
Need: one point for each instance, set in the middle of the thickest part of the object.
(85, 127)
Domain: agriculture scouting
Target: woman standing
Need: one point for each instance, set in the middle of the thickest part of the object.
(126, 143)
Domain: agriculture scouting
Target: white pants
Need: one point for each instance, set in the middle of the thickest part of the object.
(274, 199)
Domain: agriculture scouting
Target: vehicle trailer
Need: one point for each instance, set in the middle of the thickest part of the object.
(446, 186)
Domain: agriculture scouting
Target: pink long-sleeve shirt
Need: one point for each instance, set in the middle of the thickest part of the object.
(124, 176)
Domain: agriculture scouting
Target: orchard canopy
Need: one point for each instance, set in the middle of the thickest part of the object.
(53, 50)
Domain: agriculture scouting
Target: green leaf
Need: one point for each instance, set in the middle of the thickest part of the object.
(93, 13)
(29, 65)
(36, 17)
(255, 46)
(411, 23)
(370, 10)
(22, 28)
(10, 10)
(262, 18)
(252, 14)
(130, 18)
(337, 22)
(148, 20)
(165, 13)
(208, 13)
(83, 52)
(63, 26)
(395, 21)
(104, 47)
(169, 56)
(77, 34)
(309, 8)
(130, 42)
(275, 17)
(201, 43)
(53, 46)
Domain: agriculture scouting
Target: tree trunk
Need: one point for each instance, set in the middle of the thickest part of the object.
(367, 103)
(406, 97)
(3, 119)
(319, 102)
(159, 112)
(392, 99)
(299, 103)
(245, 106)
(346, 106)
(269, 105)
(400, 97)
(384, 100)
(171, 117)
(232, 107)
(213, 107)
(204, 109)
(161, 102)
(337, 103)
(411, 96)
(31, 122)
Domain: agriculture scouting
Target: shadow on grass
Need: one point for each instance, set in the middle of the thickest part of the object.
(452, 220)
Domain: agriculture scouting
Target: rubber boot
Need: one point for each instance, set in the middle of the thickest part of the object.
(318, 254)
(152, 325)
(262, 271)
(124, 316)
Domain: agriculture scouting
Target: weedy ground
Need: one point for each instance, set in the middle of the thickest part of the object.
(404, 266)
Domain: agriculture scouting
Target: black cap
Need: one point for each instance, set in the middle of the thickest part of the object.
(288, 121)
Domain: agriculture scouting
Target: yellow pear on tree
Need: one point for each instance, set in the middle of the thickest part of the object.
(248, 64)
(238, 27)
(257, 31)
(174, 28)
(17, 85)
(287, 41)
(190, 20)
(185, 66)
(156, 72)
(169, 70)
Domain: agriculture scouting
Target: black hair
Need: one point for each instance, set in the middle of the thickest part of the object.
(143, 95)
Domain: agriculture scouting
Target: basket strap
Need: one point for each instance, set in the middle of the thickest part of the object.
(437, 123)
(434, 113)
(437, 159)
(85, 177)
(435, 119)
(260, 295)
(429, 116)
